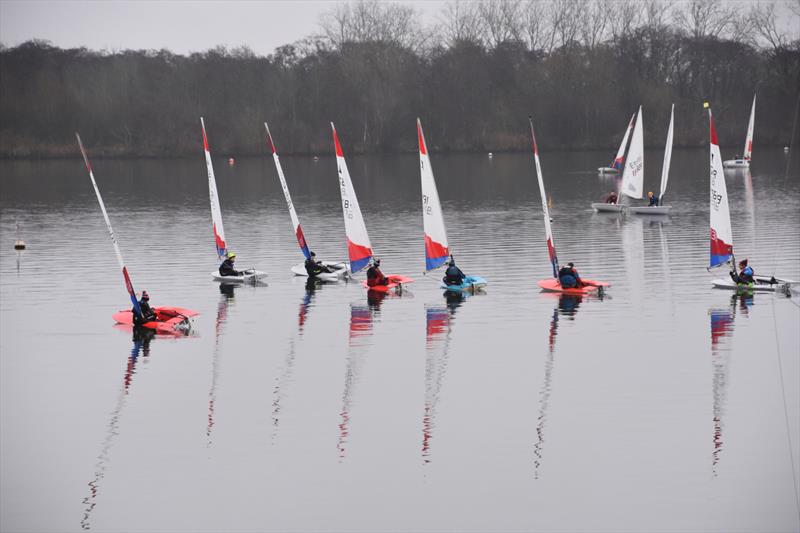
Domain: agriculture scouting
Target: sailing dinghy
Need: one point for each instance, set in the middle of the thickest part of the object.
(358, 245)
(250, 275)
(660, 209)
(633, 173)
(169, 319)
(553, 284)
(617, 163)
(720, 221)
(744, 162)
(437, 250)
(339, 269)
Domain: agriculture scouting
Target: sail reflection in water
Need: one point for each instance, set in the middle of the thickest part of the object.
(285, 376)
(439, 322)
(568, 305)
(722, 321)
(226, 298)
(141, 346)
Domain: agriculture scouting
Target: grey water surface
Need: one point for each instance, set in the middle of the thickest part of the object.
(662, 406)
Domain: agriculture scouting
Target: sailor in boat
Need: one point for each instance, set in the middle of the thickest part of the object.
(375, 276)
(611, 198)
(148, 315)
(653, 199)
(226, 268)
(568, 277)
(453, 275)
(745, 275)
(314, 267)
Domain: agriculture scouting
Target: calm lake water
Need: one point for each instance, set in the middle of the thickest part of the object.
(663, 406)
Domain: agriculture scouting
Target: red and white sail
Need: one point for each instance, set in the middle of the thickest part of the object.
(621, 152)
(633, 175)
(748, 141)
(125, 276)
(551, 247)
(721, 232)
(298, 231)
(667, 155)
(358, 246)
(436, 247)
(216, 212)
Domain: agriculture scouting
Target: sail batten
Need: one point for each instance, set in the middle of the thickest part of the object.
(216, 212)
(358, 245)
(436, 246)
(721, 237)
(298, 231)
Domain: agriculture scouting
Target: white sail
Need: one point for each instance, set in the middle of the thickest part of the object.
(358, 245)
(436, 247)
(298, 231)
(551, 247)
(667, 156)
(720, 219)
(621, 152)
(216, 212)
(748, 142)
(633, 175)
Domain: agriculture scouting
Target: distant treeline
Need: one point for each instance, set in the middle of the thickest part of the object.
(581, 67)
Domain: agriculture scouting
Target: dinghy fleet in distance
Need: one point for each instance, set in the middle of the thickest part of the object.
(176, 320)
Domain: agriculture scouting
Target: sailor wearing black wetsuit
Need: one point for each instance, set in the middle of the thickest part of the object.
(375, 276)
(148, 315)
(568, 277)
(226, 268)
(314, 267)
(453, 275)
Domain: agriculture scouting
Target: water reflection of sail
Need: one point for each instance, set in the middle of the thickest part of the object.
(141, 346)
(361, 323)
(438, 330)
(749, 204)
(226, 297)
(567, 306)
(285, 376)
(722, 321)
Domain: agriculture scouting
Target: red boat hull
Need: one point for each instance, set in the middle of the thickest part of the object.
(168, 318)
(590, 286)
(395, 281)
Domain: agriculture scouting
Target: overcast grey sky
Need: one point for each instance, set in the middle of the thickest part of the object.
(180, 26)
(184, 26)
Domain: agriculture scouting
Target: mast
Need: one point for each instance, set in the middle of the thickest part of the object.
(216, 212)
(720, 217)
(633, 175)
(551, 248)
(298, 231)
(128, 284)
(358, 246)
(436, 247)
(667, 157)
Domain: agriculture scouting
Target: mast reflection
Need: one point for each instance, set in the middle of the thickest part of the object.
(362, 318)
(567, 306)
(439, 321)
(722, 322)
(141, 347)
(285, 376)
(227, 295)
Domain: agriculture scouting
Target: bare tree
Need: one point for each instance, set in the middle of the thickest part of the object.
(461, 22)
(502, 21)
(372, 21)
(763, 21)
(537, 28)
(565, 20)
(624, 16)
(704, 18)
(593, 22)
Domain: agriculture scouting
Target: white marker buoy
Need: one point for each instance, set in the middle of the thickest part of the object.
(491, 155)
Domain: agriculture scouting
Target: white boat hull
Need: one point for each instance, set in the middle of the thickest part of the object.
(762, 284)
(607, 170)
(736, 163)
(342, 270)
(644, 210)
(601, 207)
(250, 276)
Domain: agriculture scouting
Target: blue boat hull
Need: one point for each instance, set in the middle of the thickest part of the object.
(470, 283)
